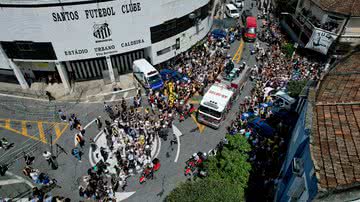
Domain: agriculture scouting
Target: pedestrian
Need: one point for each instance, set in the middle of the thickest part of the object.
(93, 145)
(71, 123)
(98, 122)
(80, 139)
(62, 115)
(47, 156)
(76, 153)
(28, 159)
(104, 153)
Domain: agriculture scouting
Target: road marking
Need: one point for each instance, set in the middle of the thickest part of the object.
(59, 128)
(120, 196)
(87, 125)
(159, 147)
(11, 181)
(112, 98)
(58, 131)
(177, 134)
(20, 178)
(41, 132)
(199, 125)
(239, 51)
(91, 151)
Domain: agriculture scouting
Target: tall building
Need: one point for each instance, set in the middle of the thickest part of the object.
(92, 39)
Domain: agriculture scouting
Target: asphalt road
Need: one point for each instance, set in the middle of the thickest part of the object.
(41, 125)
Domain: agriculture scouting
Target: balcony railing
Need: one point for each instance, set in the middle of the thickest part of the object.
(306, 18)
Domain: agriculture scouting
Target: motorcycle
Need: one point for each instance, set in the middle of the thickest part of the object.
(194, 164)
(148, 172)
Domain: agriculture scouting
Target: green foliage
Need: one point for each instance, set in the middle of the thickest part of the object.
(228, 175)
(206, 190)
(231, 163)
(288, 49)
(295, 87)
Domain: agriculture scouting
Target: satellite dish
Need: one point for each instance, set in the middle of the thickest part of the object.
(192, 16)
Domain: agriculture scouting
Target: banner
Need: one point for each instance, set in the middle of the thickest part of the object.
(320, 41)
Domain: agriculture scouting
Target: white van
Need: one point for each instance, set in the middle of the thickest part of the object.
(283, 100)
(238, 3)
(231, 11)
(147, 75)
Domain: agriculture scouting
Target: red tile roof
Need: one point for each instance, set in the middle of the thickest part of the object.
(335, 144)
(344, 7)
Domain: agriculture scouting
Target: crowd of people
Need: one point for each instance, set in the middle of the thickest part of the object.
(273, 70)
(201, 66)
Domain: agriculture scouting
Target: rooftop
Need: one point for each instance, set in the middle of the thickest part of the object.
(335, 144)
(344, 7)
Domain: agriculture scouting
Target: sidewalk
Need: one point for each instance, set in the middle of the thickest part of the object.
(83, 91)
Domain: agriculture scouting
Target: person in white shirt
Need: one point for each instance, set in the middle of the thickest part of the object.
(47, 156)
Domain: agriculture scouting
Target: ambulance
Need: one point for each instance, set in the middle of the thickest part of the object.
(215, 105)
(218, 100)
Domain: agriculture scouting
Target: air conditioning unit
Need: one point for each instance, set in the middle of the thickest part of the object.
(298, 166)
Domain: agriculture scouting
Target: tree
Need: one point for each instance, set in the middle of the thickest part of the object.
(228, 174)
(295, 87)
(206, 190)
(231, 162)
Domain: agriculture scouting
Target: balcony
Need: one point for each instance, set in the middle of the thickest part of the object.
(332, 24)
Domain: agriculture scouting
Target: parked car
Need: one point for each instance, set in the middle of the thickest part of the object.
(218, 34)
(231, 11)
(169, 74)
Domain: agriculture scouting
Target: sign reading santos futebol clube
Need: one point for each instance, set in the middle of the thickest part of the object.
(105, 32)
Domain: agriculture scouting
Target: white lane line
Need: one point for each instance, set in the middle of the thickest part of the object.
(91, 151)
(87, 125)
(120, 196)
(158, 148)
(20, 178)
(177, 134)
(126, 94)
(112, 98)
(11, 181)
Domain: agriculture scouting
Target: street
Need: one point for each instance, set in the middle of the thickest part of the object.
(34, 126)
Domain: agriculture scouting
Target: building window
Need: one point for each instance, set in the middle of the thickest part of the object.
(24, 46)
(163, 51)
(177, 25)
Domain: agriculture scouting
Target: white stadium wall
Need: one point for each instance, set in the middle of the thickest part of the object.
(86, 31)
(98, 29)
(187, 40)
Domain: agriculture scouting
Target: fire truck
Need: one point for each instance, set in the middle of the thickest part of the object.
(218, 99)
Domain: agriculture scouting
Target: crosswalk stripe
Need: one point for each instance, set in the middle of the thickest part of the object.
(11, 181)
